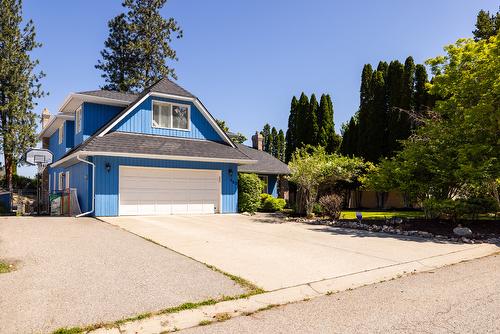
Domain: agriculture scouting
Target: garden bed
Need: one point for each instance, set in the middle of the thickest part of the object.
(482, 230)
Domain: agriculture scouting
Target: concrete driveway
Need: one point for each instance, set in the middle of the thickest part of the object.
(76, 272)
(276, 255)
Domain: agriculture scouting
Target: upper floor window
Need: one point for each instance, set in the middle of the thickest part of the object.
(78, 119)
(61, 133)
(171, 115)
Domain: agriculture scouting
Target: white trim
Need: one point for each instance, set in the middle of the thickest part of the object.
(78, 119)
(60, 134)
(195, 101)
(172, 104)
(60, 178)
(48, 129)
(151, 156)
(66, 180)
(90, 98)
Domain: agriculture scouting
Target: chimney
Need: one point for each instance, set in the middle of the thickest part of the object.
(257, 140)
(45, 117)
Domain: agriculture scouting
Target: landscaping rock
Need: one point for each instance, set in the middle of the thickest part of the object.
(462, 231)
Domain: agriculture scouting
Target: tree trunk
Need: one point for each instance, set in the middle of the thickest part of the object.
(8, 170)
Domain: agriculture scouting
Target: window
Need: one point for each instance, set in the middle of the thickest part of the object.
(170, 115)
(54, 188)
(265, 181)
(61, 133)
(78, 119)
(66, 183)
(61, 181)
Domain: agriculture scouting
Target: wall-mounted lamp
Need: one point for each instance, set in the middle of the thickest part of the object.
(108, 167)
(230, 171)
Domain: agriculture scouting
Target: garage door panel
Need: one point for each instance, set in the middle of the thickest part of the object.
(160, 191)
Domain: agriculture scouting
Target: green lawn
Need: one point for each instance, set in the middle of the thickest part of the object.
(351, 214)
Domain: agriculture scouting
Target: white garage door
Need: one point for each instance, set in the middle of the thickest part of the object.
(166, 191)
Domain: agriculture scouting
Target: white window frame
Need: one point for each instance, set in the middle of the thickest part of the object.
(66, 180)
(54, 188)
(171, 104)
(61, 133)
(78, 119)
(61, 180)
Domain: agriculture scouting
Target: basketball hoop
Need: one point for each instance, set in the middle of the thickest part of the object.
(38, 157)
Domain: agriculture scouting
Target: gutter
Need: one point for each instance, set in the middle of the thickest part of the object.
(93, 186)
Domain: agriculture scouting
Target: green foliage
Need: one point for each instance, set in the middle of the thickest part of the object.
(312, 168)
(249, 190)
(387, 99)
(235, 137)
(455, 153)
(273, 142)
(138, 46)
(270, 204)
(291, 132)
(222, 124)
(19, 85)
(460, 208)
(332, 205)
(486, 25)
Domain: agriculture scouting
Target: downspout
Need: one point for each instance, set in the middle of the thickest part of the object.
(93, 186)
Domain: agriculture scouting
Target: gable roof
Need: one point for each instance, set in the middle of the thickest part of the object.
(266, 163)
(156, 147)
(111, 94)
(165, 88)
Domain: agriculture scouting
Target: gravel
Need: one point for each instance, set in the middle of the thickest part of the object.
(463, 298)
(75, 272)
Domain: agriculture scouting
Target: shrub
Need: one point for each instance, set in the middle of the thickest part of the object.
(332, 205)
(249, 189)
(270, 204)
(459, 208)
(318, 209)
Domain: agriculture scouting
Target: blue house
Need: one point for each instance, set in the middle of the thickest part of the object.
(154, 153)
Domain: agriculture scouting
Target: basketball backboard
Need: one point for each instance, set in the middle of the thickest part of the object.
(38, 156)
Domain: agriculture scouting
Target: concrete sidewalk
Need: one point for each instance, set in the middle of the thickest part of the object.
(276, 256)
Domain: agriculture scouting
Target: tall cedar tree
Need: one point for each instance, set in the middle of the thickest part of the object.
(281, 145)
(486, 25)
(349, 144)
(138, 47)
(326, 137)
(274, 139)
(301, 133)
(395, 88)
(291, 131)
(422, 98)
(266, 143)
(365, 103)
(311, 123)
(19, 85)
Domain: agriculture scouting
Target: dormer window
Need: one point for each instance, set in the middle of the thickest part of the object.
(171, 115)
(78, 119)
(61, 133)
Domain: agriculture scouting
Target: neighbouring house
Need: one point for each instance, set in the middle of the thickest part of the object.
(154, 153)
(269, 169)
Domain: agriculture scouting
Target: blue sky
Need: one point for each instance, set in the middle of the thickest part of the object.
(246, 59)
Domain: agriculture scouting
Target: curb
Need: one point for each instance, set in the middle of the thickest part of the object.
(228, 309)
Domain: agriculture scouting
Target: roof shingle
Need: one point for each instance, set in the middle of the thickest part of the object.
(111, 94)
(266, 163)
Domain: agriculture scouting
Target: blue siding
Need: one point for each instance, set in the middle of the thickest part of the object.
(79, 178)
(140, 121)
(94, 116)
(106, 192)
(272, 185)
(67, 143)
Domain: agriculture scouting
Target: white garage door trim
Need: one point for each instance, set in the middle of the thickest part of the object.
(165, 208)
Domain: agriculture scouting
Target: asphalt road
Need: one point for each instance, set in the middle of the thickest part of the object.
(463, 298)
(75, 272)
